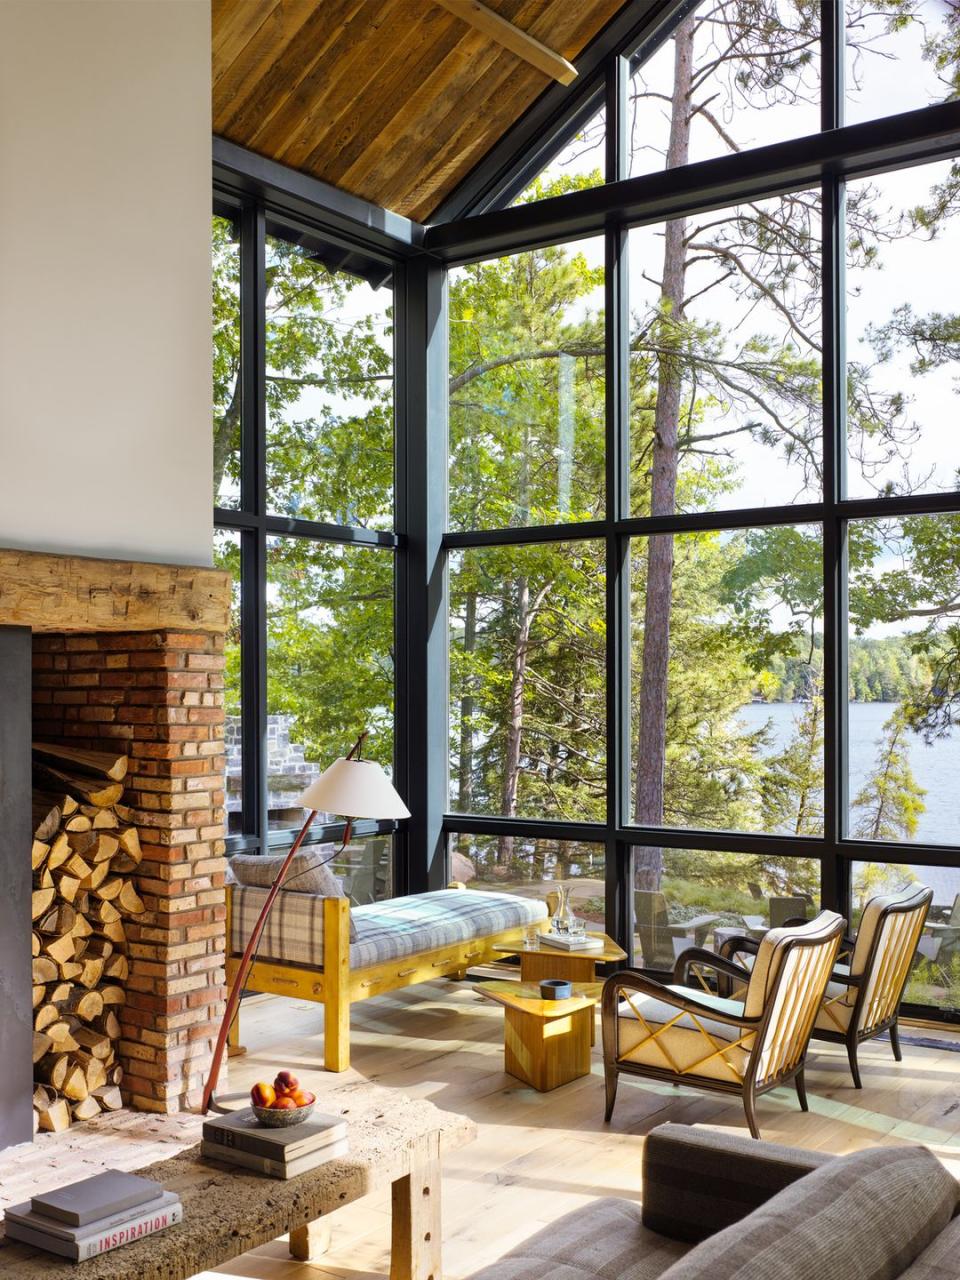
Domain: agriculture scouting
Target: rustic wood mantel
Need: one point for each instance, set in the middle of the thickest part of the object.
(80, 593)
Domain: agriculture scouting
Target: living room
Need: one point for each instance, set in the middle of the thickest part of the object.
(526, 726)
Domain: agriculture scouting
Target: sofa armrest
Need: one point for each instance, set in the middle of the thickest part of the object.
(697, 1181)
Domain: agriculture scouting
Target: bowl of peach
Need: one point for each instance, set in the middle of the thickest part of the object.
(282, 1103)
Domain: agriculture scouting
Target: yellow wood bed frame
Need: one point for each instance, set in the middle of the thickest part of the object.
(336, 986)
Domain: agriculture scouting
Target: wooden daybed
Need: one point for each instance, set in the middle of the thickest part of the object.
(324, 969)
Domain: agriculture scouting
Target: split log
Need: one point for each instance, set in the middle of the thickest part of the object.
(94, 1072)
(62, 1037)
(108, 1025)
(117, 966)
(101, 794)
(94, 1042)
(107, 846)
(103, 912)
(89, 1004)
(38, 852)
(43, 878)
(39, 992)
(53, 1070)
(55, 1118)
(42, 901)
(60, 992)
(92, 971)
(44, 970)
(46, 1015)
(114, 930)
(102, 819)
(130, 844)
(59, 920)
(60, 851)
(111, 888)
(69, 887)
(86, 1109)
(55, 798)
(108, 1095)
(74, 1084)
(79, 824)
(112, 994)
(75, 866)
(97, 875)
(101, 764)
(128, 899)
(42, 1044)
(43, 1096)
(34, 944)
(71, 969)
(46, 819)
(59, 949)
(115, 1074)
(101, 947)
(82, 842)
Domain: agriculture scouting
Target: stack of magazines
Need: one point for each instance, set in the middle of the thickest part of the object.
(240, 1139)
(93, 1216)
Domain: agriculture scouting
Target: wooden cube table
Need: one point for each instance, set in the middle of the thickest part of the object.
(546, 1043)
(544, 961)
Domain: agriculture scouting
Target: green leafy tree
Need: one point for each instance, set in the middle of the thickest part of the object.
(889, 804)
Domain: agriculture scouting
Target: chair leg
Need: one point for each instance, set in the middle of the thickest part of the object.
(611, 1076)
(895, 1041)
(750, 1107)
(854, 1065)
(801, 1088)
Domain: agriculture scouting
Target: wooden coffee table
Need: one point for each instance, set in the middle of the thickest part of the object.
(226, 1210)
(546, 1043)
(545, 961)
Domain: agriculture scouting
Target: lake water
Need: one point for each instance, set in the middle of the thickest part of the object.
(935, 767)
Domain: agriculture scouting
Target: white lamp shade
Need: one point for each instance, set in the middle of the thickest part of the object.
(355, 789)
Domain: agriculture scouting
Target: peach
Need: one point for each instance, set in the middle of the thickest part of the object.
(286, 1082)
(262, 1095)
(301, 1097)
(284, 1103)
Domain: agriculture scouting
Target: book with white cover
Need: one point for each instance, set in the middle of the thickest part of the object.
(81, 1243)
(571, 942)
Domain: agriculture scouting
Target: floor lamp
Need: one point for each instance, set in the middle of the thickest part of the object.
(351, 787)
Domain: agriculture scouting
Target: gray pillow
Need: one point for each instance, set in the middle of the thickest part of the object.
(860, 1217)
(307, 873)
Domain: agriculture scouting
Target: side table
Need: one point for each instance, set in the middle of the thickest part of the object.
(546, 1043)
(544, 961)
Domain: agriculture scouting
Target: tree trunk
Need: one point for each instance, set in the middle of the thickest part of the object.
(518, 676)
(467, 702)
(225, 437)
(652, 733)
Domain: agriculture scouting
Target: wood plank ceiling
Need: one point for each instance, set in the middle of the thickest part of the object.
(393, 100)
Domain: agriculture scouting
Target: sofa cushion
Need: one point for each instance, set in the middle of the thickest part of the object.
(866, 1216)
(308, 872)
(939, 1261)
(605, 1240)
(389, 930)
(658, 1034)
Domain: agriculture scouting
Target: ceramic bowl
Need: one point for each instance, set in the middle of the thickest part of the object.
(282, 1117)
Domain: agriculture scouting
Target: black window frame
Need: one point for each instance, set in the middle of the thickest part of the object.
(474, 224)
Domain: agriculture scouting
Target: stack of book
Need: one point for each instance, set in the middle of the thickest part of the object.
(93, 1216)
(240, 1139)
(572, 941)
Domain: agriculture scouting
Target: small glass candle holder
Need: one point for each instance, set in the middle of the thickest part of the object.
(531, 937)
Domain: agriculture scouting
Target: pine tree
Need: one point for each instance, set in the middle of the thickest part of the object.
(890, 801)
(793, 787)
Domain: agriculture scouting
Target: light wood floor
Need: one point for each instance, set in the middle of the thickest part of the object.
(541, 1155)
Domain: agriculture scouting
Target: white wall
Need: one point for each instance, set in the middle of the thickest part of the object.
(105, 390)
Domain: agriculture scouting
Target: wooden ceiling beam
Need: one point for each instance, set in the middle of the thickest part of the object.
(524, 45)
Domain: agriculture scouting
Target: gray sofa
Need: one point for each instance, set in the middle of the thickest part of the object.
(722, 1206)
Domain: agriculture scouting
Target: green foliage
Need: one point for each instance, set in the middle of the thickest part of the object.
(889, 803)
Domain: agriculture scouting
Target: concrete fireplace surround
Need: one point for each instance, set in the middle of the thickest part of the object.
(127, 655)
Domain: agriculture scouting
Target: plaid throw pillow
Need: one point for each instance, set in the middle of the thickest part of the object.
(861, 1217)
(308, 872)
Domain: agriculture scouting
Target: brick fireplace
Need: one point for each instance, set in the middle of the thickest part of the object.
(130, 656)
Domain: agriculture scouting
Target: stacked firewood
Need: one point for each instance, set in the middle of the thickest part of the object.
(84, 849)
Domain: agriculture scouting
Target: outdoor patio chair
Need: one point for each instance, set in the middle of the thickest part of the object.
(674, 1033)
(863, 996)
(660, 940)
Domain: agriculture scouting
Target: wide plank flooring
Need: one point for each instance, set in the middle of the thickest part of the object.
(541, 1155)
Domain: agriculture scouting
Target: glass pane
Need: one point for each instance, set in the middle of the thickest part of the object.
(527, 681)
(727, 701)
(531, 868)
(900, 55)
(903, 353)
(904, 660)
(700, 899)
(329, 390)
(935, 976)
(732, 76)
(527, 389)
(329, 662)
(226, 555)
(579, 165)
(226, 363)
(365, 869)
(725, 358)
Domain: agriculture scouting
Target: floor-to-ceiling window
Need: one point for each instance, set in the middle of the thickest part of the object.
(304, 514)
(704, 507)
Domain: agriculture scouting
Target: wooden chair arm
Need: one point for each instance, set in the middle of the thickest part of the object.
(633, 980)
(710, 959)
(739, 942)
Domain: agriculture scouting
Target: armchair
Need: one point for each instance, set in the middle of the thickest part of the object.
(660, 940)
(863, 995)
(674, 1033)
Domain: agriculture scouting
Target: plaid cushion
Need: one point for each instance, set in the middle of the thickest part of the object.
(385, 930)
